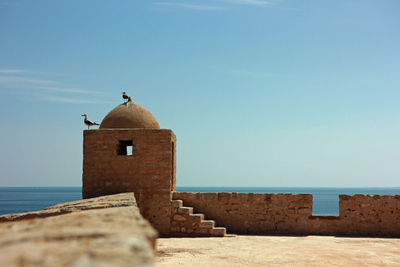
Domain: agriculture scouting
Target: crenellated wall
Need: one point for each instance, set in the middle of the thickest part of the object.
(361, 215)
(248, 213)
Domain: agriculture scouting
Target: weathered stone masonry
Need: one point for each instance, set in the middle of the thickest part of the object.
(149, 172)
(103, 231)
(248, 213)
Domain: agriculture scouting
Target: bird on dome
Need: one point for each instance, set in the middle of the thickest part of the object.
(88, 122)
(126, 97)
(129, 115)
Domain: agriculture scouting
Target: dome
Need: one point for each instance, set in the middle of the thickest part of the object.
(129, 115)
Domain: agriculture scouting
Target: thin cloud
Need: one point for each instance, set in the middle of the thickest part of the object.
(12, 71)
(52, 98)
(69, 100)
(35, 96)
(59, 99)
(189, 6)
(17, 79)
(199, 6)
(250, 2)
(65, 90)
(14, 81)
(21, 82)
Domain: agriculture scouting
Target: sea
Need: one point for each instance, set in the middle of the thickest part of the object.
(326, 199)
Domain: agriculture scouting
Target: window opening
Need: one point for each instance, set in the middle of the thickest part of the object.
(129, 150)
(125, 148)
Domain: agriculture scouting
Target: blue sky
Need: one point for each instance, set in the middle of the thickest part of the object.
(259, 93)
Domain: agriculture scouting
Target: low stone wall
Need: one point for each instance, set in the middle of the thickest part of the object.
(103, 231)
(325, 225)
(370, 215)
(283, 214)
(248, 213)
(361, 215)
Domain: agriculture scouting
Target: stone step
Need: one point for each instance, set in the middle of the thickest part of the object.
(203, 228)
(209, 224)
(177, 203)
(185, 210)
(197, 216)
(218, 231)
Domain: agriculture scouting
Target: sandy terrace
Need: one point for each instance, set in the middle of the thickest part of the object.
(278, 250)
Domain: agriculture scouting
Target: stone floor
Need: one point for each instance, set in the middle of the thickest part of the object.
(278, 251)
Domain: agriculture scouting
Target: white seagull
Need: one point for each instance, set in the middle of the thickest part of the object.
(126, 97)
(88, 122)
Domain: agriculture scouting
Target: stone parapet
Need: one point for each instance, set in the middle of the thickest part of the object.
(288, 214)
(250, 213)
(104, 202)
(370, 215)
(105, 231)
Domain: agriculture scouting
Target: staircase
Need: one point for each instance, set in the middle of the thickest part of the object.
(186, 223)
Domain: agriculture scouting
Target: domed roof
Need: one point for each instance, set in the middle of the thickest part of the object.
(129, 115)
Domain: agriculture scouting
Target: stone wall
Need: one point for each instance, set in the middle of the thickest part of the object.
(248, 213)
(149, 172)
(370, 215)
(104, 231)
(361, 215)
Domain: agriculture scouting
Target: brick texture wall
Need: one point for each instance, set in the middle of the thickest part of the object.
(370, 215)
(149, 172)
(247, 213)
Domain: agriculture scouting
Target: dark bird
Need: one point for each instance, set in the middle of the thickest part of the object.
(126, 97)
(88, 122)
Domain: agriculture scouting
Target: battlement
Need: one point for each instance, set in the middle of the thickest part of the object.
(250, 213)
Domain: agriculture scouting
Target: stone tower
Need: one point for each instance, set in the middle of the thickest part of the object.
(130, 153)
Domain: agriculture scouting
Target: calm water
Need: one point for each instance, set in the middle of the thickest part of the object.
(23, 199)
(326, 200)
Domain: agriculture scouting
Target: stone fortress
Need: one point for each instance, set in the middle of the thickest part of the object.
(130, 153)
